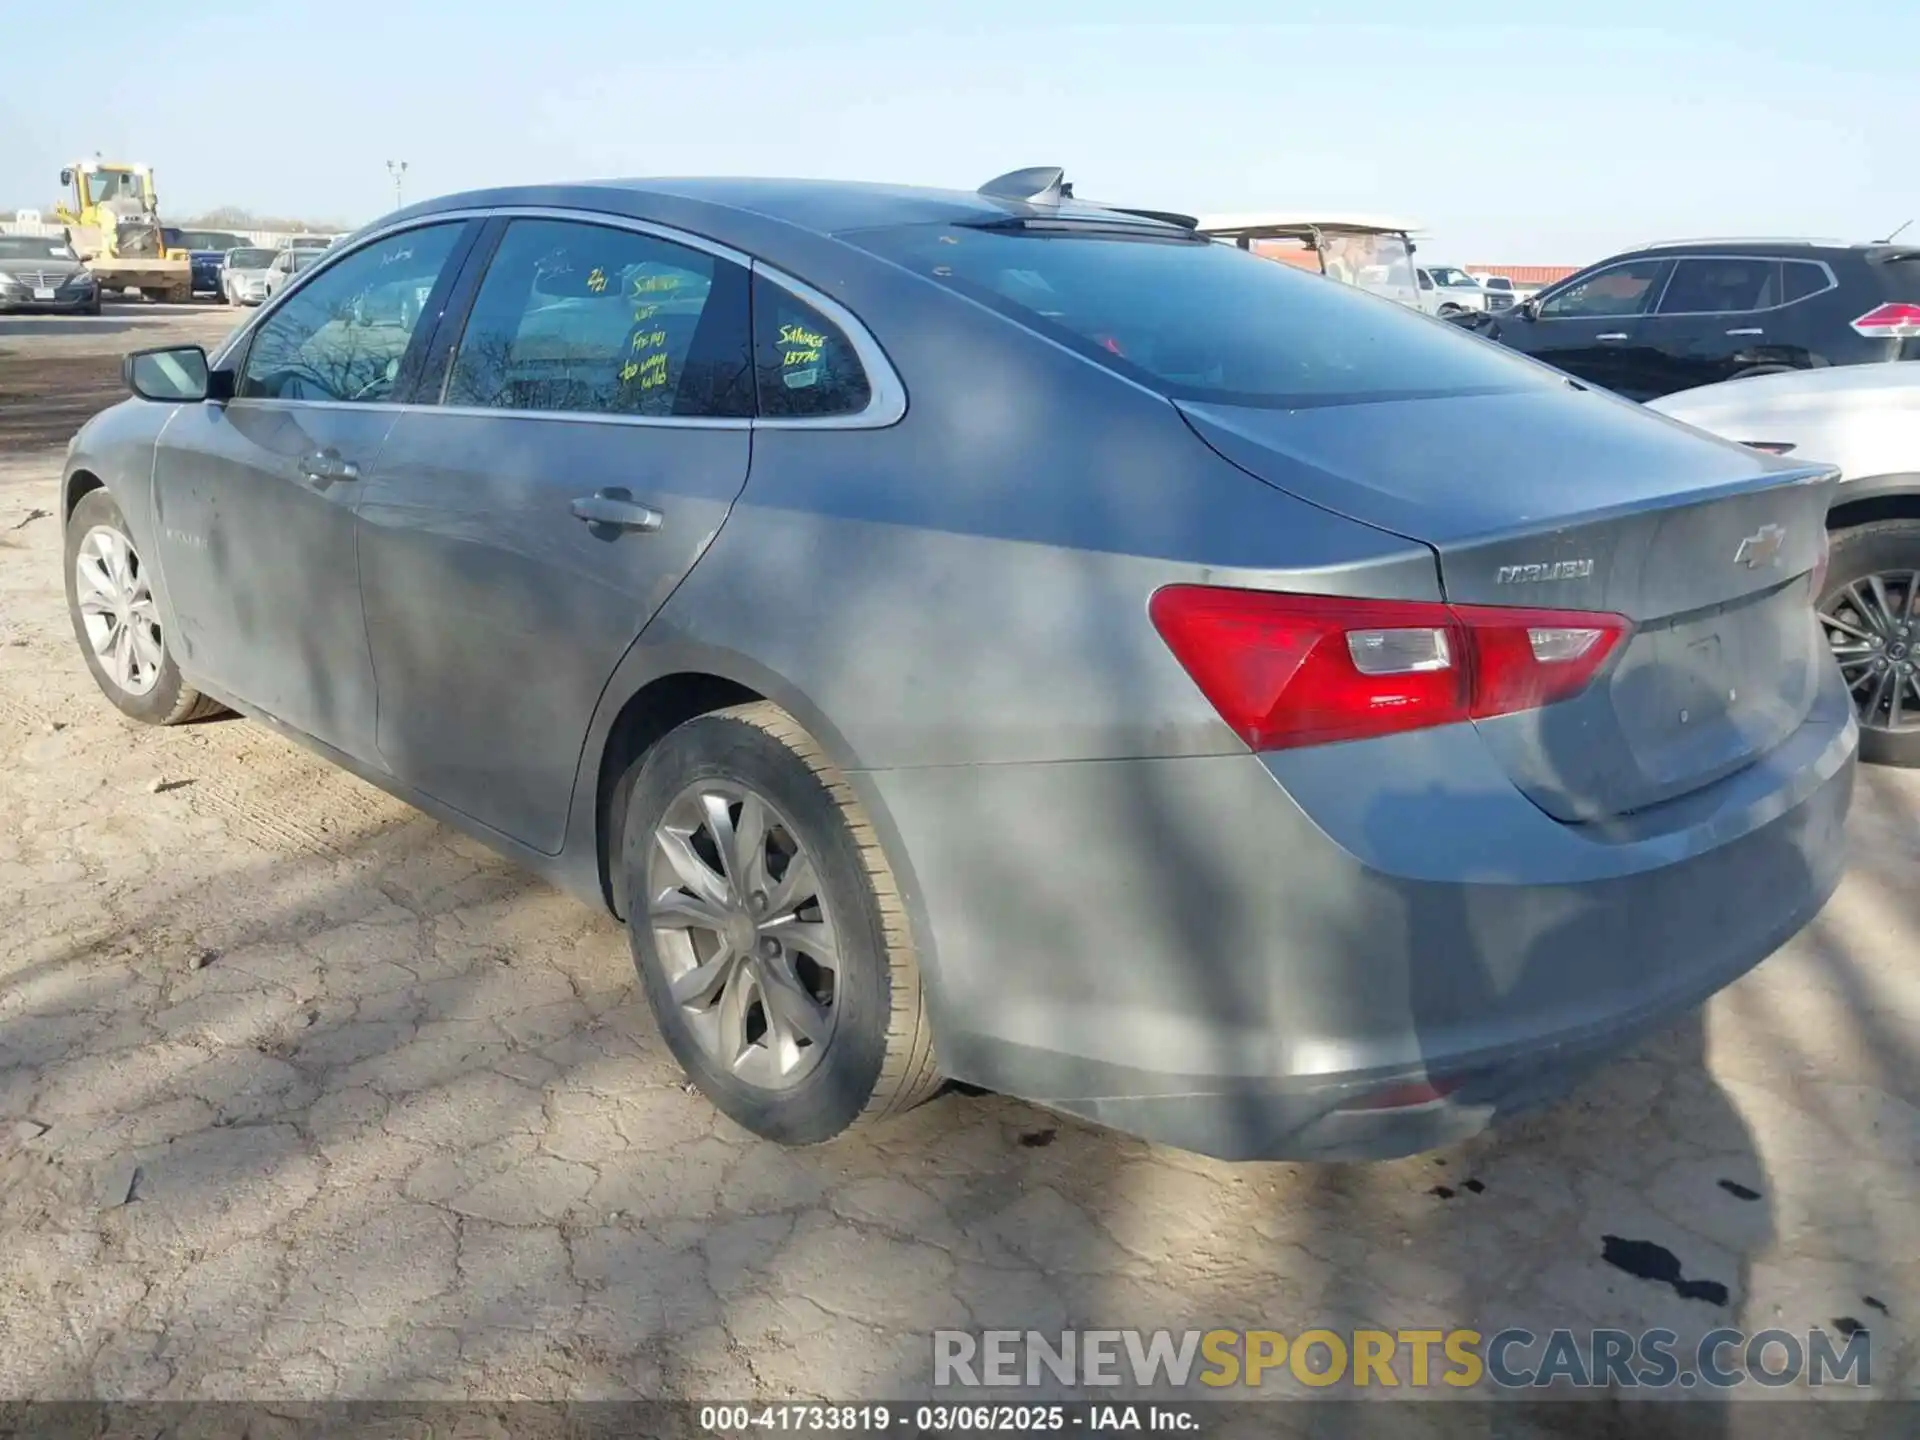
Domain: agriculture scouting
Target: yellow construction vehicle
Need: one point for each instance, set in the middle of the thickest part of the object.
(113, 223)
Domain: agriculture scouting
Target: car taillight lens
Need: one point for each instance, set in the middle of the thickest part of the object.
(1289, 670)
(1896, 320)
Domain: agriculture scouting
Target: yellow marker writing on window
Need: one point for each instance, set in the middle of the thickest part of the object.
(597, 280)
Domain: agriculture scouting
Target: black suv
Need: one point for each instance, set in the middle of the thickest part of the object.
(1672, 316)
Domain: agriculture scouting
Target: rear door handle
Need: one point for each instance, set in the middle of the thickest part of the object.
(619, 510)
(327, 467)
(1749, 330)
(1612, 335)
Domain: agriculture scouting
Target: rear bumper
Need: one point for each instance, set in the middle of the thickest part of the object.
(1236, 955)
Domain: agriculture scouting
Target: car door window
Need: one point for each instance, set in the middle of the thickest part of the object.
(1618, 290)
(596, 320)
(343, 334)
(1721, 286)
(806, 367)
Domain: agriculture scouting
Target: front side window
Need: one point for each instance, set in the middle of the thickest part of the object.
(342, 335)
(1618, 290)
(595, 320)
(805, 365)
(1199, 321)
(1721, 287)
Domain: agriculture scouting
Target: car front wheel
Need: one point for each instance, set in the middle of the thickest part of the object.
(769, 931)
(1870, 614)
(115, 618)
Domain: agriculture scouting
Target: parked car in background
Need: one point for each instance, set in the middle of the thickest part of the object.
(1447, 290)
(1866, 420)
(1502, 293)
(205, 250)
(44, 273)
(665, 548)
(1679, 315)
(243, 274)
(287, 264)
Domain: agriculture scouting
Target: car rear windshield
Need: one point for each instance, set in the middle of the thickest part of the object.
(249, 259)
(1206, 322)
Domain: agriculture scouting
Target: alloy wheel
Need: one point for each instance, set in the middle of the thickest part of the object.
(744, 934)
(116, 608)
(1874, 629)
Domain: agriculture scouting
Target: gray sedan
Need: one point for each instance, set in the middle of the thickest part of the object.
(998, 637)
(243, 275)
(39, 273)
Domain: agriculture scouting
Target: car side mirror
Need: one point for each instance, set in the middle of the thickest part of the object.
(66, 177)
(1529, 308)
(178, 374)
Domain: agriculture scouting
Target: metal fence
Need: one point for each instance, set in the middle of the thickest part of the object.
(267, 239)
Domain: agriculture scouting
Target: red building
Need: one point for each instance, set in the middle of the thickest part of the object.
(1532, 277)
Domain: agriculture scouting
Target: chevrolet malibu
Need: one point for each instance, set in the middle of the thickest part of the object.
(996, 637)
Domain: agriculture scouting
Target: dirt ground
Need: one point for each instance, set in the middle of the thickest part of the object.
(304, 1095)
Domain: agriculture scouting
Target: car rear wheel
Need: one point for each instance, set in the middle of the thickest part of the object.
(1870, 615)
(769, 932)
(115, 618)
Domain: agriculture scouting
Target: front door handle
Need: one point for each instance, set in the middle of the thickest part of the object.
(327, 467)
(618, 510)
(1749, 330)
(1612, 335)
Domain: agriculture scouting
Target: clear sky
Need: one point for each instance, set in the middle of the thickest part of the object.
(1520, 133)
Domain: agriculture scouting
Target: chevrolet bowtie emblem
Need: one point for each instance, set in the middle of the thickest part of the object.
(1760, 548)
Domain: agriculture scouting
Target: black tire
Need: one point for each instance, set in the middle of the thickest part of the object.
(170, 701)
(879, 1058)
(1448, 310)
(1752, 370)
(1881, 548)
(94, 308)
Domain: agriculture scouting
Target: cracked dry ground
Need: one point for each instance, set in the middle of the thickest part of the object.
(303, 1095)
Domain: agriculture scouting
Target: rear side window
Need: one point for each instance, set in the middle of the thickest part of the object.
(595, 320)
(1618, 290)
(806, 366)
(1803, 278)
(1721, 286)
(1206, 322)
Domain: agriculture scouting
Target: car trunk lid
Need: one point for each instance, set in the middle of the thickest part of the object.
(1575, 501)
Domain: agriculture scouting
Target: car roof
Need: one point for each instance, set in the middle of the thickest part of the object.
(826, 207)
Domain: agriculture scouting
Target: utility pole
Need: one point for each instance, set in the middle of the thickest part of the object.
(397, 169)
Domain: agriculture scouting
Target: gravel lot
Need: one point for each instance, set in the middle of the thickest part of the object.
(304, 1095)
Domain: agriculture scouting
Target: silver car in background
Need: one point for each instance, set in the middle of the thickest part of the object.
(1866, 420)
(243, 275)
(287, 264)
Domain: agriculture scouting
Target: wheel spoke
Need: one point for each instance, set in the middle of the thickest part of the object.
(92, 568)
(677, 910)
(795, 888)
(748, 856)
(146, 645)
(791, 1003)
(1854, 630)
(700, 985)
(1893, 702)
(1878, 585)
(811, 938)
(717, 811)
(95, 603)
(695, 874)
(1879, 694)
(736, 1000)
(123, 657)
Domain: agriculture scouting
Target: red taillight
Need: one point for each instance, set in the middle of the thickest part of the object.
(1895, 320)
(1287, 670)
